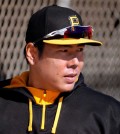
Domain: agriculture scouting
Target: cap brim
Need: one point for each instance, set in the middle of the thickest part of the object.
(69, 41)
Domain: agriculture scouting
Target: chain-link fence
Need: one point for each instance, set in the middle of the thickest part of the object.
(102, 64)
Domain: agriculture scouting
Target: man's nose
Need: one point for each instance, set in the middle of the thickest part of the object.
(73, 63)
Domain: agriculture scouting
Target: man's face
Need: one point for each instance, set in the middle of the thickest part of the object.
(59, 67)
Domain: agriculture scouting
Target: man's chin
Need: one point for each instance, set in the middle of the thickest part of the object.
(67, 87)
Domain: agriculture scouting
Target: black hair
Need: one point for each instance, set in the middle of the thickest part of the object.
(39, 45)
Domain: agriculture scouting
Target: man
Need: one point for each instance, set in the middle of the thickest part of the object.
(52, 97)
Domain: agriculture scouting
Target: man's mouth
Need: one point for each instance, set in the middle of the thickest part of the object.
(70, 78)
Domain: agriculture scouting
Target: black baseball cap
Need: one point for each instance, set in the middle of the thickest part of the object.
(59, 26)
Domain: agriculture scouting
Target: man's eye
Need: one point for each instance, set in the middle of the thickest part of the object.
(64, 50)
(80, 50)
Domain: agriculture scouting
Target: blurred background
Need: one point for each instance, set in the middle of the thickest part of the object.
(102, 64)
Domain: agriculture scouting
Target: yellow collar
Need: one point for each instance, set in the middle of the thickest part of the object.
(40, 96)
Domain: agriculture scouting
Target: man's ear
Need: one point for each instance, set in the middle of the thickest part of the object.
(31, 53)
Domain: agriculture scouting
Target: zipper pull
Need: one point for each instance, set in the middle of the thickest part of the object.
(44, 93)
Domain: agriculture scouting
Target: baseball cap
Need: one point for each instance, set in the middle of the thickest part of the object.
(59, 26)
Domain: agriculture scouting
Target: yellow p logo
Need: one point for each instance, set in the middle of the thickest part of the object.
(74, 20)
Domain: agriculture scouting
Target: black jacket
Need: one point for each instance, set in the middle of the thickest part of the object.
(84, 111)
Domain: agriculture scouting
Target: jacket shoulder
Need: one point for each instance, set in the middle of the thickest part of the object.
(96, 98)
(5, 83)
(13, 94)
